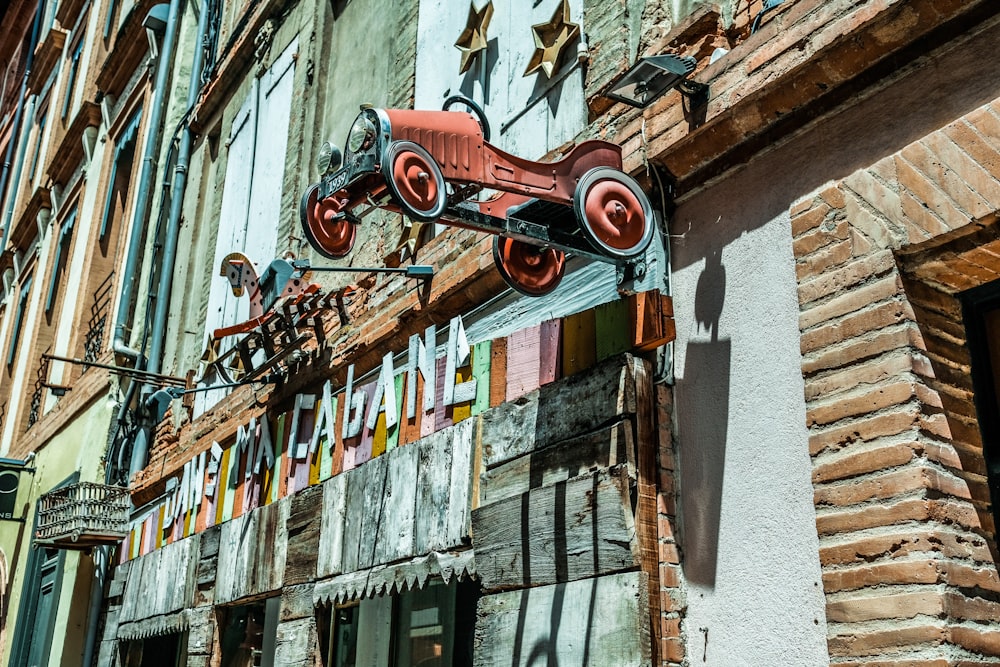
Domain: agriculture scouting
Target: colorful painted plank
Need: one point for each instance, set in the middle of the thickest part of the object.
(579, 350)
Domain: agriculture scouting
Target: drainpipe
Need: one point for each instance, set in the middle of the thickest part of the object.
(140, 448)
(22, 143)
(176, 204)
(136, 240)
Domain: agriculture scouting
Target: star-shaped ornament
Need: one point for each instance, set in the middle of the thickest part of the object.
(473, 39)
(551, 40)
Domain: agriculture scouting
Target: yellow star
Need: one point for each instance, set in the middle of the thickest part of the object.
(551, 39)
(474, 39)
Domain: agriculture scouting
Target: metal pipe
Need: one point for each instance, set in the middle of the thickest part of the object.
(22, 143)
(176, 204)
(120, 370)
(136, 240)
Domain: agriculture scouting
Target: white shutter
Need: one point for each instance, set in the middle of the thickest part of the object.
(251, 196)
(275, 99)
(223, 307)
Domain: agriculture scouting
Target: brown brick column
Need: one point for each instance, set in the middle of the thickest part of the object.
(901, 501)
(672, 599)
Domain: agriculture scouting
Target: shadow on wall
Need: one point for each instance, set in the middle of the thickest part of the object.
(703, 416)
(481, 72)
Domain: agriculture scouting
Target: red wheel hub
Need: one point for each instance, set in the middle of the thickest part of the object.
(333, 233)
(529, 269)
(615, 214)
(415, 180)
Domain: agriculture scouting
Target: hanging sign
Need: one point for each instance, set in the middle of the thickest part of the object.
(10, 477)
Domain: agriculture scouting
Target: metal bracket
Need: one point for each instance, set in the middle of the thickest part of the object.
(628, 273)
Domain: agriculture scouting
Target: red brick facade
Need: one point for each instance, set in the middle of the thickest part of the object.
(908, 545)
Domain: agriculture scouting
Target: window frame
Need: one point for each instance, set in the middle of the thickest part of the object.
(977, 304)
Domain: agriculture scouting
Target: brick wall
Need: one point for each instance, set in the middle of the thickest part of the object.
(907, 542)
(673, 602)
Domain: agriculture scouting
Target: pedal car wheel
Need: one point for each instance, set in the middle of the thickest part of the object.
(531, 270)
(325, 226)
(614, 213)
(415, 181)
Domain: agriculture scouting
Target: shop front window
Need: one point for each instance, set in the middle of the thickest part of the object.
(430, 627)
(249, 634)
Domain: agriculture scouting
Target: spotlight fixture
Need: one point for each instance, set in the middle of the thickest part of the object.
(652, 76)
(155, 23)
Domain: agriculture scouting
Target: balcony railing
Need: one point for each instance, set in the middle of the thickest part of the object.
(83, 515)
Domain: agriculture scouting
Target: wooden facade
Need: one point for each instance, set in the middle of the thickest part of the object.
(534, 499)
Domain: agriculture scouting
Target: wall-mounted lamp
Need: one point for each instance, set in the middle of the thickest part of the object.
(155, 24)
(653, 76)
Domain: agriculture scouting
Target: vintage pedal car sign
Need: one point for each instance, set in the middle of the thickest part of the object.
(430, 164)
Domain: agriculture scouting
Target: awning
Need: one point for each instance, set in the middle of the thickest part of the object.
(164, 624)
(395, 578)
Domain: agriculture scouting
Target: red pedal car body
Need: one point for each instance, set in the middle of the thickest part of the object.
(427, 164)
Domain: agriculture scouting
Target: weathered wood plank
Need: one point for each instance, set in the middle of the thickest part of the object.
(330, 559)
(252, 553)
(459, 517)
(601, 449)
(357, 479)
(612, 321)
(498, 372)
(647, 441)
(296, 643)
(370, 510)
(304, 518)
(296, 602)
(523, 348)
(591, 622)
(564, 409)
(549, 362)
(201, 632)
(567, 531)
(433, 491)
(118, 579)
(579, 350)
(399, 503)
(481, 372)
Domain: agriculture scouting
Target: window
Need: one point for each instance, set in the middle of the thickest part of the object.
(121, 176)
(58, 263)
(42, 116)
(74, 68)
(981, 311)
(430, 627)
(251, 196)
(157, 651)
(15, 336)
(96, 294)
(249, 634)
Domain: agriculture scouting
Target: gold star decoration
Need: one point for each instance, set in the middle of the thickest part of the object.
(473, 39)
(551, 40)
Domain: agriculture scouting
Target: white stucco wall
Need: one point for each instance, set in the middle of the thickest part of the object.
(747, 524)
